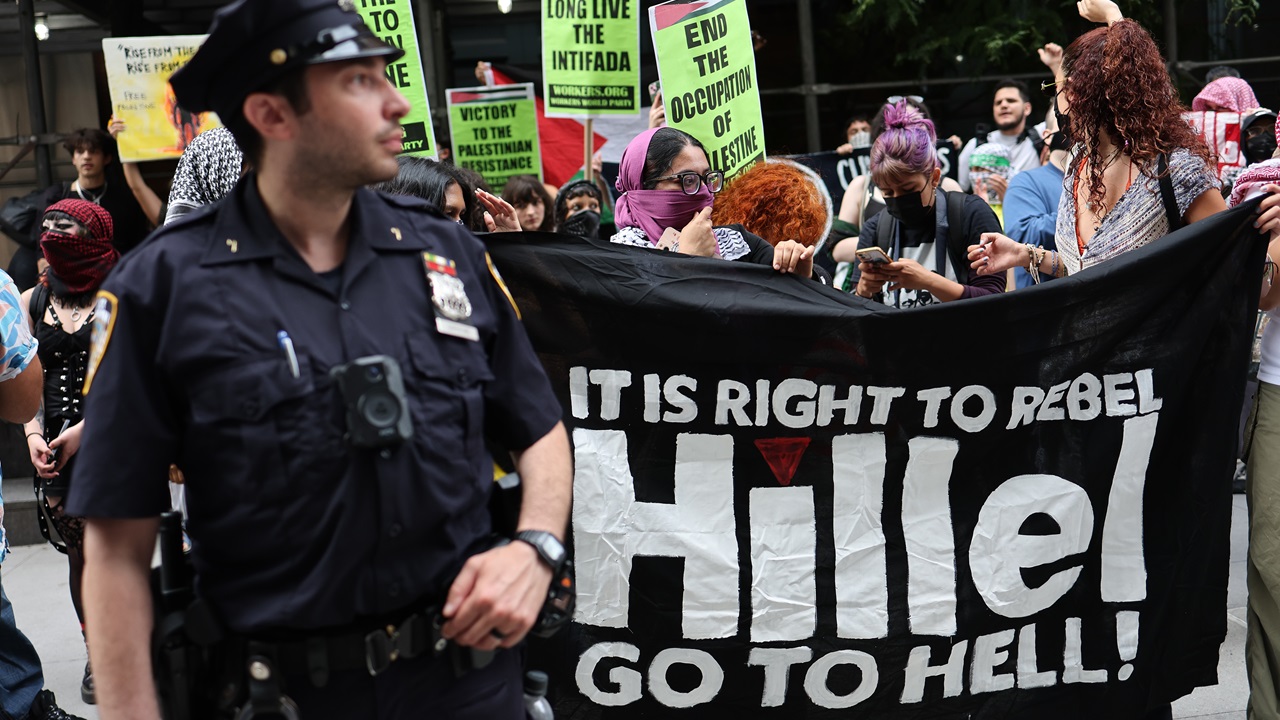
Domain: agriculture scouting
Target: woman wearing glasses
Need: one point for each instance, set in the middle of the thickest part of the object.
(668, 187)
(1137, 169)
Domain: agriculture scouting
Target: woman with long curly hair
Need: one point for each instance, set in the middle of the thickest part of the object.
(1137, 169)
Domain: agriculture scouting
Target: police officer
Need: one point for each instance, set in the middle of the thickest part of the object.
(261, 344)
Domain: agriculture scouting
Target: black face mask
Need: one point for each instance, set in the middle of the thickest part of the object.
(910, 210)
(1257, 149)
(1060, 140)
(585, 223)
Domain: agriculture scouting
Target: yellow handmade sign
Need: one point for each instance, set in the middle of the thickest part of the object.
(138, 71)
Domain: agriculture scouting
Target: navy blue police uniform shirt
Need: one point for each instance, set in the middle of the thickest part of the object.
(291, 528)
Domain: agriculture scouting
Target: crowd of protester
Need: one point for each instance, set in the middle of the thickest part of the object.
(1115, 165)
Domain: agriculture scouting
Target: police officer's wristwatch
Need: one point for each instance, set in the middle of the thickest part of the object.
(549, 549)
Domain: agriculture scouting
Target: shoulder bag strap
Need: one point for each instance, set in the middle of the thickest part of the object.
(884, 233)
(955, 223)
(39, 301)
(868, 194)
(1166, 193)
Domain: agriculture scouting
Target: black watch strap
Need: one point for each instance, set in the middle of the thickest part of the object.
(548, 547)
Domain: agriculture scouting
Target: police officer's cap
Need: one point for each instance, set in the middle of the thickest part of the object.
(254, 42)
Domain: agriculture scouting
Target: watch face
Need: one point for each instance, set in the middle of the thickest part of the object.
(554, 549)
(547, 544)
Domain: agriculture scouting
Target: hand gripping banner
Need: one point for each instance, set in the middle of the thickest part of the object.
(792, 504)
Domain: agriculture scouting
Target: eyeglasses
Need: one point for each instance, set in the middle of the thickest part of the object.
(1051, 88)
(895, 99)
(690, 181)
(1258, 129)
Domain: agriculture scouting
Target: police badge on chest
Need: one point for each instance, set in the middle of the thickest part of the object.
(449, 298)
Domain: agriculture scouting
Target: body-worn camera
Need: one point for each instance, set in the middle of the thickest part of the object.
(377, 411)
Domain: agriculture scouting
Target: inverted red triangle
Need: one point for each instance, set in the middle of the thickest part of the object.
(783, 456)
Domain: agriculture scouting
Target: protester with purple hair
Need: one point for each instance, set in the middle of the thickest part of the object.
(668, 187)
(923, 229)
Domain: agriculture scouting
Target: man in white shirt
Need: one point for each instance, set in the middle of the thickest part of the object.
(1010, 110)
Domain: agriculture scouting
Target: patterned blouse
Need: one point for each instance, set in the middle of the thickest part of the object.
(1137, 219)
(729, 242)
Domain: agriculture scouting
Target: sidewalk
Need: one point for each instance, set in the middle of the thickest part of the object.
(1227, 700)
(35, 579)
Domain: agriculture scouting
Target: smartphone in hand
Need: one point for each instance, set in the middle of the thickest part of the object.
(874, 255)
(53, 454)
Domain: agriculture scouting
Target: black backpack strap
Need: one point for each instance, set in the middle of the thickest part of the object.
(39, 301)
(955, 228)
(884, 232)
(1029, 133)
(1166, 193)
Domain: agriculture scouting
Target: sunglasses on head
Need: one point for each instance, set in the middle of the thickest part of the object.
(895, 99)
(1051, 88)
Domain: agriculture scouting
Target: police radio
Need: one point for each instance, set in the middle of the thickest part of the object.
(377, 412)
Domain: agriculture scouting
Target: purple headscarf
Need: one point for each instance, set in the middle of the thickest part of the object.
(653, 211)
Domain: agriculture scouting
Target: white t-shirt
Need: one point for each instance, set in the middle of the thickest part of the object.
(1022, 155)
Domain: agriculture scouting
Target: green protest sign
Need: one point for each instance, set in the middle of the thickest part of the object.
(708, 71)
(392, 20)
(591, 57)
(495, 131)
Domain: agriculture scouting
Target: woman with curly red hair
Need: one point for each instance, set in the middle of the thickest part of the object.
(777, 200)
(1138, 170)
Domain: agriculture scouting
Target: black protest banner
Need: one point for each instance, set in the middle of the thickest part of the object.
(792, 504)
(838, 171)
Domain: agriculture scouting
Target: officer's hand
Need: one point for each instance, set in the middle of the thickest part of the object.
(501, 590)
(67, 444)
